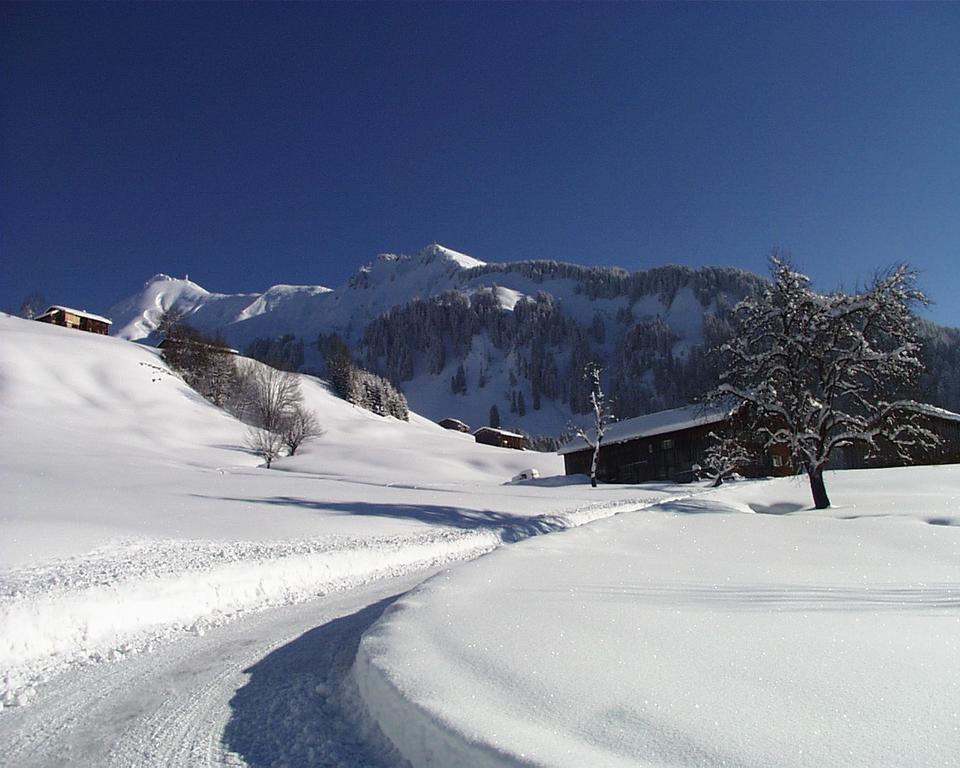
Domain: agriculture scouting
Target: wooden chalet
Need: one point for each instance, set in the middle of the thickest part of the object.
(499, 437)
(76, 318)
(943, 423)
(672, 445)
(667, 446)
(454, 424)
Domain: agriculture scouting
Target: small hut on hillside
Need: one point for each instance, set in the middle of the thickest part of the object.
(76, 318)
(499, 437)
(454, 424)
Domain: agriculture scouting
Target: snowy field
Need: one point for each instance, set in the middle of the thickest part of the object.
(164, 600)
(738, 628)
(132, 514)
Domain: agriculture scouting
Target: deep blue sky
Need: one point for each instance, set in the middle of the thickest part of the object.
(249, 145)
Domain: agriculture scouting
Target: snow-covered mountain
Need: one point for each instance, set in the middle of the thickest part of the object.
(303, 310)
(478, 341)
(465, 338)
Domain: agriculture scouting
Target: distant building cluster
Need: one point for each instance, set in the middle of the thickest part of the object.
(500, 438)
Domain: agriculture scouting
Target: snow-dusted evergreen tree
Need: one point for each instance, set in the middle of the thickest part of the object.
(458, 382)
(203, 360)
(283, 352)
(821, 371)
(494, 420)
(33, 305)
(601, 418)
(359, 386)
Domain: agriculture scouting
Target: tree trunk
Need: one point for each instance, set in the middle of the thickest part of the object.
(820, 498)
(718, 482)
(594, 463)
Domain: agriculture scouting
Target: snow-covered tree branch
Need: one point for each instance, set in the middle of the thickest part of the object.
(601, 418)
(823, 371)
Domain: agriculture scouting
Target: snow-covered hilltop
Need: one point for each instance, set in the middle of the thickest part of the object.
(483, 342)
(303, 310)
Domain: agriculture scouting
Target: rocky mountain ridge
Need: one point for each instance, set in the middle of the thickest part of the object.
(497, 342)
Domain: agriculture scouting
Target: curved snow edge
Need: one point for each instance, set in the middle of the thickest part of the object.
(423, 740)
(418, 735)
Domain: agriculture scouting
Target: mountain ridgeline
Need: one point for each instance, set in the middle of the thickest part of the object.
(506, 342)
(543, 348)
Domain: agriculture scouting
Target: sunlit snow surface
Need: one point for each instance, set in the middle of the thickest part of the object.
(739, 628)
(723, 628)
(130, 511)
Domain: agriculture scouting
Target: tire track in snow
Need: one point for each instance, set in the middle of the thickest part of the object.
(179, 705)
(121, 601)
(174, 707)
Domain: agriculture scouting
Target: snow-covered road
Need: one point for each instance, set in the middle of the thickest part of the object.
(262, 691)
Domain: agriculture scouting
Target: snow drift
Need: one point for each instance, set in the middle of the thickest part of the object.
(734, 629)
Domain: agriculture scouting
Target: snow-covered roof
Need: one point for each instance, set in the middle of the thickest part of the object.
(652, 424)
(77, 312)
(503, 432)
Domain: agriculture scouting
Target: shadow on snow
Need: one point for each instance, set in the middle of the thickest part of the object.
(298, 707)
(434, 514)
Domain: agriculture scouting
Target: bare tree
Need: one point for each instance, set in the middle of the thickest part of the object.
(724, 456)
(601, 418)
(821, 371)
(274, 395)
(299, 426)
(264, 443)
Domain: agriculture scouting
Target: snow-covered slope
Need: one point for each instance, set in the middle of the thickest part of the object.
(304, 310)
(739, 628)
(130, 509)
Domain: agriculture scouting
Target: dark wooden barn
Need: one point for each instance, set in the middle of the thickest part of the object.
(455, 424)
(672, 445)
(499, 437)
(667, 446)
(76, 318)
(944, 424)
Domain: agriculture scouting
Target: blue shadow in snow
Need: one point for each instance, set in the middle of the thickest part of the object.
(434, 514)
(293, 710)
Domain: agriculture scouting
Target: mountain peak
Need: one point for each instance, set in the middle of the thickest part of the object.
(163, 277)
(437, 252)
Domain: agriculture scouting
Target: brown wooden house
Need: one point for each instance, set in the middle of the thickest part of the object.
(499, 437)
(454, 424)
(666, 446)
(943, 423)
(672, 445)
(76, 318)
